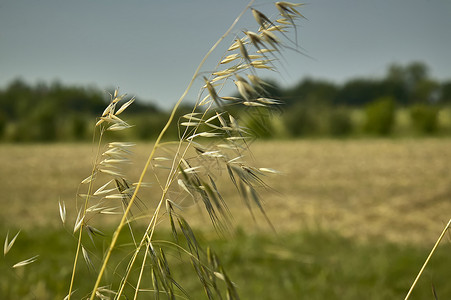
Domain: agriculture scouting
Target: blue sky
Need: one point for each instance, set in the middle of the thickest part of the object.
(151, 48)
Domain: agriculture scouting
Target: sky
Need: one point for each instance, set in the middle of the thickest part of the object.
(150, 49)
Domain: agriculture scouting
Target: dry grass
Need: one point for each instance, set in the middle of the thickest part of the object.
(392, 189)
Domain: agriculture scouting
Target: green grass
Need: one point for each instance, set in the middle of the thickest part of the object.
(308, 264)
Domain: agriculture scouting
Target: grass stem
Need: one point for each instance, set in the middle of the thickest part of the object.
(84, 212)
(427, 259)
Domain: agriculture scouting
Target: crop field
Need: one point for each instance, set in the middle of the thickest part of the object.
(397, 190)
(354, 219)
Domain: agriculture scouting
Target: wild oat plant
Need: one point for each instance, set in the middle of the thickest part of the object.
(212, 142)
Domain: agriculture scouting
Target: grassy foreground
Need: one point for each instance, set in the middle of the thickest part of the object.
(355, 220)
(299, 265)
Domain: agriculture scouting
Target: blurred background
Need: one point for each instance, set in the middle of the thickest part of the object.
(362, 140)
(362, 61)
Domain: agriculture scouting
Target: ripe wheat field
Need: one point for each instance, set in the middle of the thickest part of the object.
(392, 189)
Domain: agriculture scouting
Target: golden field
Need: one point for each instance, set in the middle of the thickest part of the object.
(393, 189)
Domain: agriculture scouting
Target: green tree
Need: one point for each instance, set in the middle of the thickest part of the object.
(311, 91)
(302, 120)
(3, 123)
(44, 123)
(78, 127)
(424, 118)
(445, 93)
(340, 123)
(380, 116)
(358, 92)
(413, 79)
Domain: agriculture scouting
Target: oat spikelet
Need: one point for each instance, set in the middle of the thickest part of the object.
(124, 106)
(269, 170)
(8, 244)
(261, 19)
(79, 221)
(230, 58)
(288, 9)
(87, 259)
(212, 92)
(62, 209)
(255, 40)
(243, 51)
(26, 262)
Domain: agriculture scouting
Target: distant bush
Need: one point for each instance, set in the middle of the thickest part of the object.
(318, 119)
(45, 128)
(424, 118)
(380, 116)
(149, 126)
(301, 120)
(340, 122)
(259, 123)
(77, 127)
(3, 123)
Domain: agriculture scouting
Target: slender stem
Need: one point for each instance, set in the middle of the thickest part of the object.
(428, 258)
(140, 275)
(84, 212)
(149, 236)
(75, 265)
(149, 229)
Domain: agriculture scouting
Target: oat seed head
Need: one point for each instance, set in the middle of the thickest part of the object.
(62, 210)
(211, 142)
(26, 262)
(9, 244)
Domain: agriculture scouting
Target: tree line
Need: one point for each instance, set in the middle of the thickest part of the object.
(53, 112)
(406, 101)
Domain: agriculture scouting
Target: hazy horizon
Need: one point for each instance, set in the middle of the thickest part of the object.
(151, 49)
